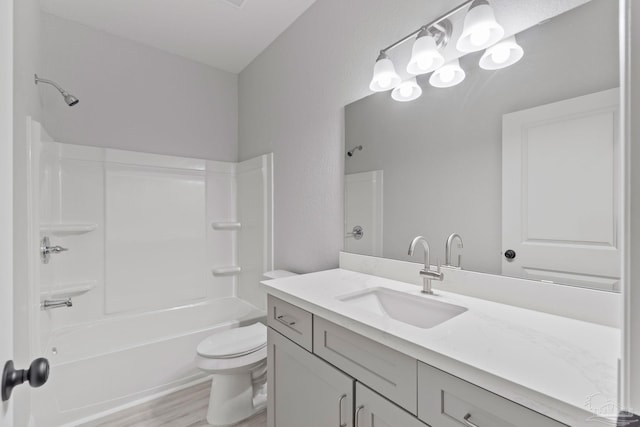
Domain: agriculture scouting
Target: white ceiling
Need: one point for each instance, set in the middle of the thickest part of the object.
(215, 32)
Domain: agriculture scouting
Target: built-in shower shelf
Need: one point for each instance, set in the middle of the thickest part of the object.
(69, 290)
(67, 229)
(229, 225)
(232, 270)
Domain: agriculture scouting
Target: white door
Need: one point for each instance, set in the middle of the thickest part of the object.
(561, 192)
(363, 211)
(6, 206)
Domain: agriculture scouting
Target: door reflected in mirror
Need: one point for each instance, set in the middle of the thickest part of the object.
(522, 162)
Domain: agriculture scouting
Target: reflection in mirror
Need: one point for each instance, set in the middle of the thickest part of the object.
(522, 162)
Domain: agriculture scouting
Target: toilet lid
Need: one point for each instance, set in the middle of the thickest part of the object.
(234, 342)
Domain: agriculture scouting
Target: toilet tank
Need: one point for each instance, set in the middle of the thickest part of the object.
(277, 274)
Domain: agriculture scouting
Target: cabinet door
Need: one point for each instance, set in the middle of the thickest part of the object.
(303, 390)
(372, 410)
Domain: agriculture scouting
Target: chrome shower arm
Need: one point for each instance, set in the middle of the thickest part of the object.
(49, 82)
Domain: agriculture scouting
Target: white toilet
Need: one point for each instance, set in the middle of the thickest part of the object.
(237, 359)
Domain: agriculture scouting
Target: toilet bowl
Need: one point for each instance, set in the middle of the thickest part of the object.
(237, 360)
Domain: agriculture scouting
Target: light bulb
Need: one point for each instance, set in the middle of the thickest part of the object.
(384, 75)
(480, 36)
(405, 91)
(501, 54)
(424, 62)
(447, 74)
(384, 80)
(480, 29)
(424, 56)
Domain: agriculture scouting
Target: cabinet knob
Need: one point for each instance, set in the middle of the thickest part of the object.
(510, 254)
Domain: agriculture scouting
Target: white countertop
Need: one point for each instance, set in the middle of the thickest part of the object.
(561, 367)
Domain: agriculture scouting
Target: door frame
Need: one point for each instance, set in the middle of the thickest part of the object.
(6, 195)
(630, 107)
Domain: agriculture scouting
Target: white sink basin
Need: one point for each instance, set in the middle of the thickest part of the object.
(414, 310)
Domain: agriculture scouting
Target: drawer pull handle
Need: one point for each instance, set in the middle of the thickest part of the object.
(360, 408)
(344, 396)
(467, 422)
(283, 319)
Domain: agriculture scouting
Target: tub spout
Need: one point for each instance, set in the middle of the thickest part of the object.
(49, 304)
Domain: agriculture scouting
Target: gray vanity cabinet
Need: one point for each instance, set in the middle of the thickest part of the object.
(304, 390)
(372, 410)
(321, 374)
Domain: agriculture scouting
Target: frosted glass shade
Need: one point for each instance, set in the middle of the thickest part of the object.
(502, 54)
(480, 30)
(425, 56)
(450, 74)
(384, 76)
(406, 91)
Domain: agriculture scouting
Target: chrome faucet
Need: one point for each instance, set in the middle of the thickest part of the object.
(46, 250)
(447, 260)
(426, 273)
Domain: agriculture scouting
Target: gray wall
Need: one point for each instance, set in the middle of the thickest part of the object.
(442, 153)
(291, 102)
(135, 97)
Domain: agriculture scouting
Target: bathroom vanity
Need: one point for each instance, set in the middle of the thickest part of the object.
(351, 349)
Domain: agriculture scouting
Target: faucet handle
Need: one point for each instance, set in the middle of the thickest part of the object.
(439, 273)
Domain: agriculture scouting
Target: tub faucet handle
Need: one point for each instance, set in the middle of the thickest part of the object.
(46, 250)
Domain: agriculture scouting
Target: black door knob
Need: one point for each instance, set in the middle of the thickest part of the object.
(36, 375)
(510, 254)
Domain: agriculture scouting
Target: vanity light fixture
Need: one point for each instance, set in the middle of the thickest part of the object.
(450, 74)
(406, 91)
(481, 29)
(384, 75)
(502, 54)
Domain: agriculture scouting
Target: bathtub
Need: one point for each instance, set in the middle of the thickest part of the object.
(111, 364)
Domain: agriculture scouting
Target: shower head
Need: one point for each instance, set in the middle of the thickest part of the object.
(68, 98)
(353, 150)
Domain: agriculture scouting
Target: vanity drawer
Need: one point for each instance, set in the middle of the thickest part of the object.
(291, 321)
(445, 401)
(389, 372)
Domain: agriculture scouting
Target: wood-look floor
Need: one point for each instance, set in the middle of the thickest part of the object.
(184, 408)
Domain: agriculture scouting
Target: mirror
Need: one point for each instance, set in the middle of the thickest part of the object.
(521, 159)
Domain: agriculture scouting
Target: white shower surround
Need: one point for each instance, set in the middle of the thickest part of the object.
(142, 255)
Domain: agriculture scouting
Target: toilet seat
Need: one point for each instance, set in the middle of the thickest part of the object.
(234, 343)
